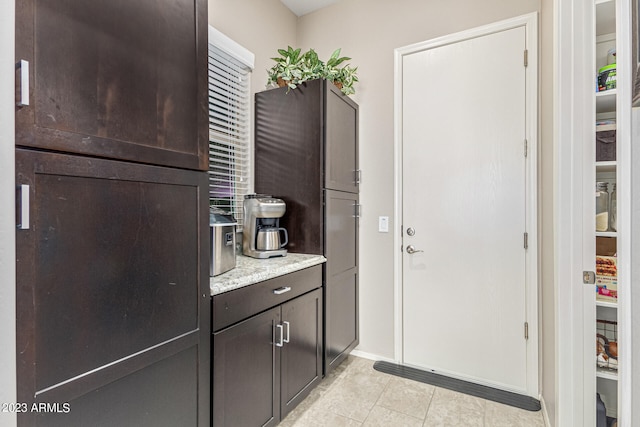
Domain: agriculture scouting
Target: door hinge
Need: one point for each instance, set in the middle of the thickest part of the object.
(526, 58)
(526, 330)
(526, 148)
(526, 240)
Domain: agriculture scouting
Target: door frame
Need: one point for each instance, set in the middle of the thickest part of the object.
(574, 211)
(530, 22)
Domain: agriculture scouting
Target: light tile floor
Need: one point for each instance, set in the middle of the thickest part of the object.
(355, 394)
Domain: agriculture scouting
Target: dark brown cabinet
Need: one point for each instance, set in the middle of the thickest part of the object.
(341, 141)
(266, 364)
(246, 373)
(306, 152)
(116, 79)
(109, 275)
(113, 302)
(341, 275)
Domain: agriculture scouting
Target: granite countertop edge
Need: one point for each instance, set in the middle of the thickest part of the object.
(249, 271)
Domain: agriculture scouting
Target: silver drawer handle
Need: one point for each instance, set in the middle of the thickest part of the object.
(23, 199)
(24, 82)
(288, 326)
(279, 343)
(282, 290)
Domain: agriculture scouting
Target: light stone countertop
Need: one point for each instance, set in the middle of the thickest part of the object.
(249, 270)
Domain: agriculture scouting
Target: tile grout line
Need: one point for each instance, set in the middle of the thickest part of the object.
(433, 393)
(377, 400)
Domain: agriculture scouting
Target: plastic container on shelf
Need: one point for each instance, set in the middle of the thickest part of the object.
(602, 206)
(613, 208)
(611, 56)
(607, 77)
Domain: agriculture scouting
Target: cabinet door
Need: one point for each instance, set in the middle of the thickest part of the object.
(301, 361)
(341, 277)
(110, 281)
(289, 160)
(119, 79)
(341, 141)
(246, 373)
(341, 231)
(342, 334)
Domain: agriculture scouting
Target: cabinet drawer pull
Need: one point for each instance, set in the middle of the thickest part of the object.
(24, 82)
(279, 338)
(286, 331)
(23, 199)
(282, 290)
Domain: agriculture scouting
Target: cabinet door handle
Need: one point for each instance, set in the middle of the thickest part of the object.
(287, 328)
(279, 338)
(24, 82)
(358, 176)
(357, 210)
(282, 290)
(23, 197)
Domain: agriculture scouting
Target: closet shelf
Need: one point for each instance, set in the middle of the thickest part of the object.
(606, 304)
(607, 374)
(606, 101)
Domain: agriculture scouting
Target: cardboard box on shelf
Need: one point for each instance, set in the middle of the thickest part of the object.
(606, 246)
(607, 278)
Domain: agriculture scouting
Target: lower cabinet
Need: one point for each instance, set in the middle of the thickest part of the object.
(341, 317)
(266, 364)
(341, 277)
(111, 293)
(246, 373)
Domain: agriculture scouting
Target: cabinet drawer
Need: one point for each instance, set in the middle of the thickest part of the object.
(231, 307)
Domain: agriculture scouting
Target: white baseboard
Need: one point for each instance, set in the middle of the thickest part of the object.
(545, 415)
(371, 356)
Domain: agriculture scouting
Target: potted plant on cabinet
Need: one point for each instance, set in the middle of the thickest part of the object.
(287, 70)
(292, 68)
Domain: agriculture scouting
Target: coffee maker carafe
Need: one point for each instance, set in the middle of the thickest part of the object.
(262, 236)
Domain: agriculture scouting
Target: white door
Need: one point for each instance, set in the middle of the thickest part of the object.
(464, 207)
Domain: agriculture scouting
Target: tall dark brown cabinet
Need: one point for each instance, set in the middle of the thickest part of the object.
(306, 152)
(113, 312)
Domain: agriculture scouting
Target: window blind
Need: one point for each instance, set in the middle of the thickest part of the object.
(230, 67)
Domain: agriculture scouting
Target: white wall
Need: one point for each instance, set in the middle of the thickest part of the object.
(7, 213)
(635, 269)
(369, 31)
(262, 26)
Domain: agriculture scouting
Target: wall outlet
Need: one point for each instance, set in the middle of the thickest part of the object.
(383, 224)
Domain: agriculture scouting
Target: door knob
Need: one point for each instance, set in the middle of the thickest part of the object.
(412, 250)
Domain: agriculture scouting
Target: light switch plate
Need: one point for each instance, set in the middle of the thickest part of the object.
(383, 224)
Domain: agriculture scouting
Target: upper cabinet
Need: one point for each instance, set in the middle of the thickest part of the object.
(114, 79)
(341, 129)
(306, 141)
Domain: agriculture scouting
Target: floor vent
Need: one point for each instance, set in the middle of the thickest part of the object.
(484, 392)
